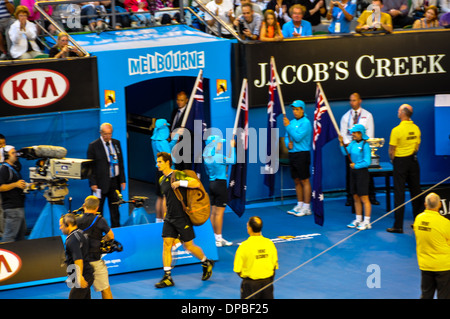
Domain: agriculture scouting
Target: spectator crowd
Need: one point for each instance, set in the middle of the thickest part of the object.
(253, 20)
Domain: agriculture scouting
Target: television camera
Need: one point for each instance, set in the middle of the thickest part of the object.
(53, 169)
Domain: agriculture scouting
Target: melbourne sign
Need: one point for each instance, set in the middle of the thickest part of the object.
(169, 62)
(403, 64)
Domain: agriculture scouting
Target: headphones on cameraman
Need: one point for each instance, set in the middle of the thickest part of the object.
(6, 150)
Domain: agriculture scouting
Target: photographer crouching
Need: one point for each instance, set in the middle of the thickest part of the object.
(248, 23)
(12, 188)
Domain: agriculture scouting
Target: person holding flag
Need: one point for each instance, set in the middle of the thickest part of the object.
(324, 130)
(216, 168)
(298, 141)
(275, 107)
(238, 177)
(187, 153)
(360, 155)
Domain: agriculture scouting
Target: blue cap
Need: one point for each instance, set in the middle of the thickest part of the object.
(360, 128)
(161, 131)
(214, 138)
(298, 103)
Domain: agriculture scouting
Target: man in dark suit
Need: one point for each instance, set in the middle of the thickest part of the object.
(108, 175)
(178, 113)
(177, 120)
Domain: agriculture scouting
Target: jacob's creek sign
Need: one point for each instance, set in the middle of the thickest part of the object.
(399, 64)
(169, 62)
(34, 88)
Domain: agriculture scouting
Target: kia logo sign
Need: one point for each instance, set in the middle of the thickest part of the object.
(34, 88)
(10, 264)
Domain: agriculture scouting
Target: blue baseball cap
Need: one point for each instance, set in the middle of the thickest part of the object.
(298, 103)
(214, 138)
(360, 128)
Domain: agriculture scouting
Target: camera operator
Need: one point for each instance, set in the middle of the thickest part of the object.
(94, 225)
(62, 49)
(13, 198)
(249, 23)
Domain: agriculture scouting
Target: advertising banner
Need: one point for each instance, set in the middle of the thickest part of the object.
(48, 86)
(401, 64)
(32, 260)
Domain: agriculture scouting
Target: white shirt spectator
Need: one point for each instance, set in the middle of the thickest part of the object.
(223, 9)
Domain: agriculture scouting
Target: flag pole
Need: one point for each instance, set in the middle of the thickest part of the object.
(238, 111)
(191, 99)
(272, 61)
(333, 120)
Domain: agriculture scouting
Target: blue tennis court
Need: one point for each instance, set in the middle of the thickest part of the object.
(373, 264)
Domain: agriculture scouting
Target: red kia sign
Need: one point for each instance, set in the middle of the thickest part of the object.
(10, 264)
(34, 88)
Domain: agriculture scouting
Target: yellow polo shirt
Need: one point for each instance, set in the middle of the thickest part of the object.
(256, 258)
(432, 232)
(406, 138)
(385, 18)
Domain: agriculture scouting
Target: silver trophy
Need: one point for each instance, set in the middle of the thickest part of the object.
(375, 144)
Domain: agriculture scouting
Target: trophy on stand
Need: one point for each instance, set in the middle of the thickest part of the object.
(375, 144)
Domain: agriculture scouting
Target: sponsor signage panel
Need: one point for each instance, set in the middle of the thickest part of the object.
(32, 260)
(50, 86)
(403, 64)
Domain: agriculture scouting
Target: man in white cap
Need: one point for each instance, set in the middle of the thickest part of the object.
(298, 141)
(13, 197)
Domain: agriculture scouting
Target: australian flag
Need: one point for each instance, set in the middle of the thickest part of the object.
(324, 132)
(238, 178)
(273, 110)
(196, 124)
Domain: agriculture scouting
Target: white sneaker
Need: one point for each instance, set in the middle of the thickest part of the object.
(304, 212)
(354, 224)
(295, 210)
(364, 226)
(223, 243)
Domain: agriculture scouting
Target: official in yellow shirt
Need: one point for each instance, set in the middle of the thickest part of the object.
(432, 232)
(404, 144)
(255, 262)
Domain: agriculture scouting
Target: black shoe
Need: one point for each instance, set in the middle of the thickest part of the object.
(395, 230)
(207, 269)
(166, 281)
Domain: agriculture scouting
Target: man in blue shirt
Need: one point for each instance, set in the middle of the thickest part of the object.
(341, 13)
(298, 141)
(297, 27)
